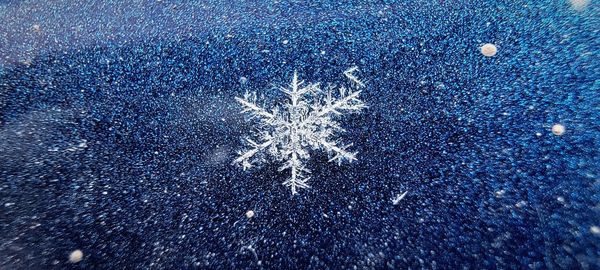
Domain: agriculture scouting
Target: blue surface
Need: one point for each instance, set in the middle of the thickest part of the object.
(118, 127)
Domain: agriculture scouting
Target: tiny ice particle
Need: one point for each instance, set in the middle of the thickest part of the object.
(521, 204)
(561, 199)
(489, 49)
(82, 144)
(595, 230)
(558, 129)
(398, 198)
(76, 256)
(250, 214)
(579, 5)
(286, 41)
(26, 62)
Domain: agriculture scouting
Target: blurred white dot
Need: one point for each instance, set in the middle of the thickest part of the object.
(26, 62)
(322, 52)
(76, 256)
(243, 80)
(595, 230)
(560, 199)
(579, 5)
(249, 214)
(489, 49)
(286, 41)
(558, 129)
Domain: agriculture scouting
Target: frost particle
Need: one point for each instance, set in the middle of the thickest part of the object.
(558, 129)
(398, 198)
(489, 49)
(76, 256)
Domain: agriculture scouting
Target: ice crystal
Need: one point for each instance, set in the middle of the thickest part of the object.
(307, 120)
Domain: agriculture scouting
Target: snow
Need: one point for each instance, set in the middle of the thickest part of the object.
(307, 120)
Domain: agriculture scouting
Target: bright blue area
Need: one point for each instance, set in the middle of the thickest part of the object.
(118, 126)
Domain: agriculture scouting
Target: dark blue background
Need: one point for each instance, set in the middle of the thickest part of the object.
(118, 126)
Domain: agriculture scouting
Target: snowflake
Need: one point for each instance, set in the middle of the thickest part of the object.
(307, 120)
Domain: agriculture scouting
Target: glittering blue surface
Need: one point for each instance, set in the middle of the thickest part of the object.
(118, 126)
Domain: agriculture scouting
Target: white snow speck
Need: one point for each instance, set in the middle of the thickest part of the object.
(398, 198)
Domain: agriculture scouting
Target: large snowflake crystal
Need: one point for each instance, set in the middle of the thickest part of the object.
(307, 120)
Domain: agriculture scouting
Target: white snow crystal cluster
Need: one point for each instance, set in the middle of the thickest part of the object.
(307, 120)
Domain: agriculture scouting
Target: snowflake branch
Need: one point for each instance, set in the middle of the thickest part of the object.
(249, 106)
(245, 157)
(297, 180)
(349, 103)
(340, 152)
(353, 78)
(296, 92)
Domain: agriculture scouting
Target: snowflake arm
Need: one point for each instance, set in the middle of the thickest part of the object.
(353, 78)
(295, 92)
(246, 157)
(249, 106)
(298, 178)
(340, 153)
(348, 101)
